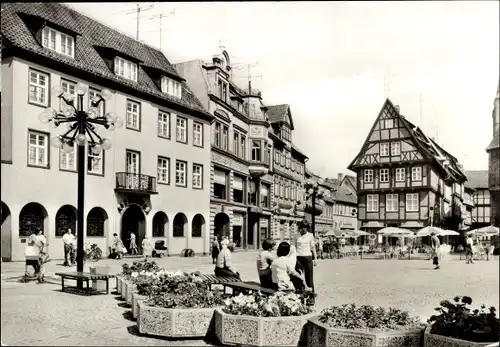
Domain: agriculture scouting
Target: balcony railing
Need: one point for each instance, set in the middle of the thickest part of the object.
(135, 183)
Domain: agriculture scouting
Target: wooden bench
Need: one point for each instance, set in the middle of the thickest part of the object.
(248, 287)
(213, 280)
(84, 276)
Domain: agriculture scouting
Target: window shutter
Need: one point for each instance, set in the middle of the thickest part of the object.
(115, 61)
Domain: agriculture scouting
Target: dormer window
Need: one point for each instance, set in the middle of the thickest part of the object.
(171, 87)
(126, 69)
(222, 89)
(58, 42)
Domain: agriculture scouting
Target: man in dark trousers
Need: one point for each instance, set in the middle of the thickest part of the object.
(435, 248)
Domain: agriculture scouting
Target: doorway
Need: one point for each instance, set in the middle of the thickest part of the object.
(133, 221)
(6, 234)
(221, 226)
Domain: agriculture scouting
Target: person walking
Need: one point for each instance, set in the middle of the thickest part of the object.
(469, 252)
(435, 243)
(117, 246)
(215, 250)
(133, 244)
(68, 244)
(306, 254)
(147, 248)
(41, 243)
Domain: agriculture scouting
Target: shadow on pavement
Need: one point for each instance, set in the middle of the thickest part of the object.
(77, 291)
(119, 298)
(128, 315)
(123, 305)
(133, 330)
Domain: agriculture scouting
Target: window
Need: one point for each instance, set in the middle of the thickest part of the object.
(163, 174)
(95, 222)
(39, 84)
(180, 173)
(222, 89)
(256, 151)
(391, 202)
(68, 88)
(197, 134)
(133, 115)
(264, 195)
(285, 133)
(197, 176)
(220, 184)
(384, 149)
(416, 173)
(181, 130)
(59, 42)
(238, 189)
(400, 174)
(95, 95)
(197, 226)
(395, 148)
(164, 124)
(225, 137)
(217, 137)
(126, 69)
(171, 87)
(412, 202)
(67, 161)
(95, 161)
(372, 203)
(384, 175)
(252, 193)
(160, 223)
(276, 156)
(368, 175)
(389, 123)
(243, 147)
(38, 149)
(236, 143)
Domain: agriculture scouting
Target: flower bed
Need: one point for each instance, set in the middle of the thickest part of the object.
(277, 320)
(348, 325)
(457, 325)
(128, 270)
(178, 305)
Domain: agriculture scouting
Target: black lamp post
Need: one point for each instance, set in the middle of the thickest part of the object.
(315, 192)
(81, 131)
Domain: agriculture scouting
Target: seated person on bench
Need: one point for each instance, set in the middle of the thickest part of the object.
(223, 266)
(264, 261)
(282, 270)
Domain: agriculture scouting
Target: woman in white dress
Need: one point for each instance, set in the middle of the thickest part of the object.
(147, 248)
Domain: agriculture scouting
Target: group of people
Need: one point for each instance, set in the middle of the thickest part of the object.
(118, 249)
(36, 253)
(283, 267)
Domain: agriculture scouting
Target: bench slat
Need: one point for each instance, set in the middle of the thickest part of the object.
(84, 275)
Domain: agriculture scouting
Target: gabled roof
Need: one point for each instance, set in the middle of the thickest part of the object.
(279, 113)
(428, 147)
(16, 30)
(343, 195)
(477, 179)
(495, 142)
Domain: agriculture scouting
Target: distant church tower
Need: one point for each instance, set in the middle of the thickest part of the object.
(494, 162)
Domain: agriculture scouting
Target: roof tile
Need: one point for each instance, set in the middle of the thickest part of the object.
(277, 113)
(477, 179)
(93, 33)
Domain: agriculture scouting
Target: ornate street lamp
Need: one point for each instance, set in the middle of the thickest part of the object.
(80, 131)
(314, 191)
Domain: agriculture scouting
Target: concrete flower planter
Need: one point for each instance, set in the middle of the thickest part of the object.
(319, 334)
(131, 289)
(174, 322)
(123, 293)
(260, 331)
(135, 303)
(118, 283)
(434, 340)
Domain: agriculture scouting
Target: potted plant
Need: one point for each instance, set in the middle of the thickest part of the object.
(456, 324)
(349, 325)
(127, 270)
(179, 305)
(258, 320)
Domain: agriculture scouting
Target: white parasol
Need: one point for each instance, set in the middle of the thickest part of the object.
(428, 230)
(393, 231)
(489, 230)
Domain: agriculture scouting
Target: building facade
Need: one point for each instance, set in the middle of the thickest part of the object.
(155, 181)
(345, 210)
(481, 197)
(323, 221)
(494, 162)
(241, 180)
(405, 179)
(288, 171)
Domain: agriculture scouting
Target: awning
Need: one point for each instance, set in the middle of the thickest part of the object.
(373, 224)
(412, 224)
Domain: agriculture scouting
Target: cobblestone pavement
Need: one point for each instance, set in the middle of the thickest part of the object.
(40, 314)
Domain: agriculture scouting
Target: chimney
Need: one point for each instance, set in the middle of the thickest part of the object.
(340, 177)
(397, 107)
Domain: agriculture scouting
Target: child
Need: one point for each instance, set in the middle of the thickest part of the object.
(282, 269)
(264, 261)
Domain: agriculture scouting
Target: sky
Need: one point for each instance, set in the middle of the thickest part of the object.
(335, 63)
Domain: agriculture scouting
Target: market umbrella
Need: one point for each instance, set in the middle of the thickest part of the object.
(390, 231)
(489, 230)
(428, 230)
(359, 232)
(449, 233)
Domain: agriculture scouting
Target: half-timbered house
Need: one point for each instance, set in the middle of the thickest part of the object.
(405, 179)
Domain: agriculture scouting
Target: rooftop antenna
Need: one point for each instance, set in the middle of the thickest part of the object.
(387, 88)
(138, 11)
(161, 15)
(420, 95)
(221, 46)
(249, 74)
